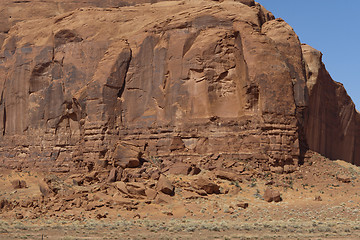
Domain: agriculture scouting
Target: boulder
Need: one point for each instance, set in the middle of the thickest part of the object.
(93, 205)
(45, 190)
(121, 186)
(100, 216)
(318, 198)
(119, 174)
(121, 201)
(177, 144)
(207, 185)
(16, 184)
(201, 192)
(78, 181)
(276, 196)
(272, 195)
(343, 178)
(163, 198)
(194, 171)
(165, 186)
(102, 163)
(242, 205)
(227, 175)
(136, 188)
(92, 176)
(268, 195)
(4, 203)
(126, 157)
(155, 175)
(278, 169)
(150, 193)
(270, 182)
(180, 169)
(112, 175)
(190, 195)
(290, 168)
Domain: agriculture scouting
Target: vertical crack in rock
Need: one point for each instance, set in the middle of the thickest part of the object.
(4, 121)
(252, 93)
(3, 114)
(141, 81)
(115, 85)
(263, 14)
(245, 88)
(189, 42)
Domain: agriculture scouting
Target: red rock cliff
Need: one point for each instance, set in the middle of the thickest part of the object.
(198, 81)
(332, 124)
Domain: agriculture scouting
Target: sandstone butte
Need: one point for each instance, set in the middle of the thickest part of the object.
(214, 84)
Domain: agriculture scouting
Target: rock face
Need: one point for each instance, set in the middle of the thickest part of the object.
(194, 81)
(332, 124)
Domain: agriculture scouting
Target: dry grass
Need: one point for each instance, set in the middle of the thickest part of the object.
(180, 229)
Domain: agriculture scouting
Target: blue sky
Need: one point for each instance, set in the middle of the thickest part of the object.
(331, 27)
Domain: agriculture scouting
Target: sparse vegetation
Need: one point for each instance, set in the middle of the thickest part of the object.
(186, 228)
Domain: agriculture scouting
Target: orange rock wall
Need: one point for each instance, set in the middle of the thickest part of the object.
(332, 122)
(203, 82)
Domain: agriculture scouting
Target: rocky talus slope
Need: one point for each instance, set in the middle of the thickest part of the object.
(191, 81)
